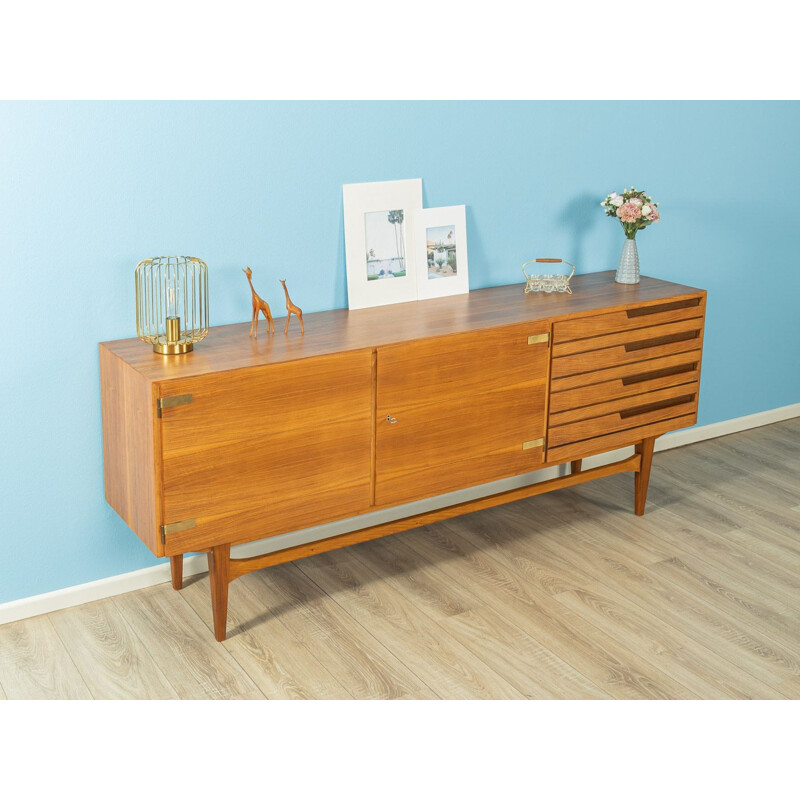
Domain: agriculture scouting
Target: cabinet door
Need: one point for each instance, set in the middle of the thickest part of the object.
(267, 450)
(459, 410)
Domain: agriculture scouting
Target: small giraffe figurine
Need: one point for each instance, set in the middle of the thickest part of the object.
(258, 305)
(291, 308)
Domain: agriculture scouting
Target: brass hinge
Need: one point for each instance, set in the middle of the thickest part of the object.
(175, 527)
(533, 443)
(175, 400)
(540, 337)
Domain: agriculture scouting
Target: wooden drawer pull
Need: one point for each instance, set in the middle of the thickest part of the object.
(675, 337)
(659, 373)
(639, 410)
(643, 312)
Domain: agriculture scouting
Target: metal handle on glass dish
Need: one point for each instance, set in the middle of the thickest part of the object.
(547, 283)
(390, 419)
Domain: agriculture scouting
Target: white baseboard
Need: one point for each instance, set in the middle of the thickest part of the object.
(194, 565)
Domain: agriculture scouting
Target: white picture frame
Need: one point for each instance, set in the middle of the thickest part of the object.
(379, 241)
(444, 270)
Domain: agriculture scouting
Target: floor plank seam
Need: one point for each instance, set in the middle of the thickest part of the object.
(367, 631)
(310, 653)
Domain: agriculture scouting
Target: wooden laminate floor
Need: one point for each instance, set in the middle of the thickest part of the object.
(565, 595)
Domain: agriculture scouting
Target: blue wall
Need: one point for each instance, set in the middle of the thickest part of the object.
(88, 189)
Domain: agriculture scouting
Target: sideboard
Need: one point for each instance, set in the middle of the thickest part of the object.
(244, 438)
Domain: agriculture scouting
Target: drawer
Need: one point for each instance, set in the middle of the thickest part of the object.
(624, 406)
(622, 376)
(624, 381)
(618, 415)
(612, 441)
(626, 347)
(639, 317)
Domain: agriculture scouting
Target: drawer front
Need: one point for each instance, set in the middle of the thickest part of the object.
(619, 415)
(638, 317)
(611, 441)
(267, 450)
(463, 410)
(623, 376)
(626, 381)
(638, 345)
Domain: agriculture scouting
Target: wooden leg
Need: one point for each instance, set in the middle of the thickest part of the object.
(575, 466)
(645, 450)
(176, 567)
(219, 570)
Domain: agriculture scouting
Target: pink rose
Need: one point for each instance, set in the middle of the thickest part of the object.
(629, 212)
(653, 216)
(637, 201)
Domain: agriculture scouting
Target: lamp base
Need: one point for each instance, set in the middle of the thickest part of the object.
(172, 348)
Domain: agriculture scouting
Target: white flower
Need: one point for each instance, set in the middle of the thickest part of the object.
(615, 200)
(645, 210)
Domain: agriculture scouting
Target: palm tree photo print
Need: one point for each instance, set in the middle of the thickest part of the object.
(386, 252)
(441, 251)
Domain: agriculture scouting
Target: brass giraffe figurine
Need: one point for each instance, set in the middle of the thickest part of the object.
(291, 308)
(258, 305)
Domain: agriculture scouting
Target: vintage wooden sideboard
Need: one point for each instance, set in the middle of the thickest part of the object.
(243, 439)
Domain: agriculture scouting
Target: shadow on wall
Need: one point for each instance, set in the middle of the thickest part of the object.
(579, 216)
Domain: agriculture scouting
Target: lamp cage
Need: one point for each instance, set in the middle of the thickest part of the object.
(172, 303)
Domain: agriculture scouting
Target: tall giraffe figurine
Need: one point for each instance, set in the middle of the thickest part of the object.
(258, 305)
(291, 308)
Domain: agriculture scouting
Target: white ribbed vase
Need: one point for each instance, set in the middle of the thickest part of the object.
(628, 269)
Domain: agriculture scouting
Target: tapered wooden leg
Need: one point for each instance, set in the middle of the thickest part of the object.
(219, 570)
(645, 450)
(176, 567)
(575, 466)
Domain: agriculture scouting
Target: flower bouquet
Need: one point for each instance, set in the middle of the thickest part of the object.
(634, 210)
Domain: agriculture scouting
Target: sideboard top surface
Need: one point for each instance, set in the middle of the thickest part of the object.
(229, 347)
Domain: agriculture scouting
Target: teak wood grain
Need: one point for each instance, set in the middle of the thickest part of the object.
(129, 452)
(573, 400)
(638, 336)
(243, 566)
(244, 439)
(262, 452)
(613, 356)
(610, 423)
(629, 373)
(622, 405)
(616, 321)
(455, 412)
(228, 347)
(612, 441)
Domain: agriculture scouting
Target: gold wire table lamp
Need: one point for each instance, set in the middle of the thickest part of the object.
(172, 303)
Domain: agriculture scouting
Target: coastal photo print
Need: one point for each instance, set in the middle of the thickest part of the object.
(441, 247)
(379, 241)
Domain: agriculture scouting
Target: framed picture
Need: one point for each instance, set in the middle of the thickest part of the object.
(441, 242)
(379, 241)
